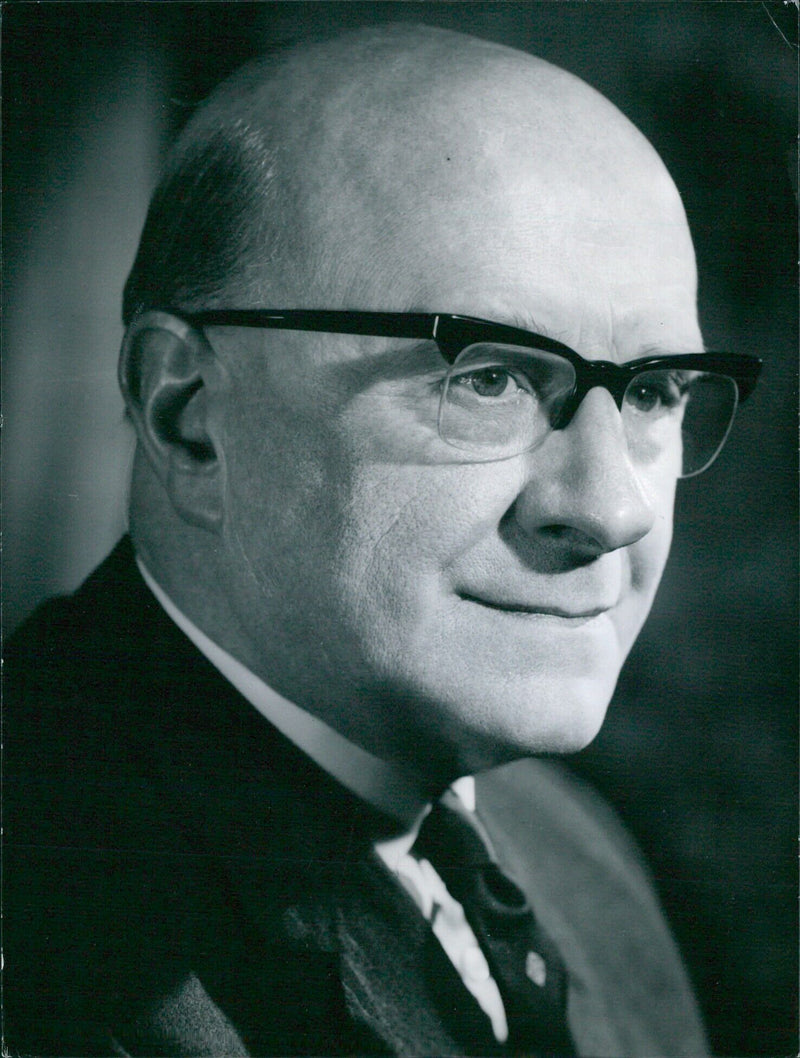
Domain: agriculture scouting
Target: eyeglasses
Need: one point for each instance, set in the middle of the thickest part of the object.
(507, 388)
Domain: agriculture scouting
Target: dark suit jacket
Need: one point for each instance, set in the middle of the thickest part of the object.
(180, 880)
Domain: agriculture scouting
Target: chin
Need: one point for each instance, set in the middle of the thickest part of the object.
(575, 736)
(547, 720)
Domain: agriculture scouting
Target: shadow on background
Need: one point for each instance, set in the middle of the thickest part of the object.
(699, 752)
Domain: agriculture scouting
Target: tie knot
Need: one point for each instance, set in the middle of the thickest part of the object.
(452, 835)
(455, 841)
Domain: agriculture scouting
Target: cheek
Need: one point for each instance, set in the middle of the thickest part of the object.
(401, 530)
(321, 521)
(282, 485)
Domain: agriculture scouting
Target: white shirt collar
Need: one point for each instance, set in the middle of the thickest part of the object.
(386, 786)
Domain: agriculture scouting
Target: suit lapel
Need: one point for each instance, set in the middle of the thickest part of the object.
(397, 978)
(333, 954)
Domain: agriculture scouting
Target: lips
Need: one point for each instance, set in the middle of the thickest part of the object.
(571, 613)
(505, 586)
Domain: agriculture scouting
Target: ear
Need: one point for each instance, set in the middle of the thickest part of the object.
(169, 377)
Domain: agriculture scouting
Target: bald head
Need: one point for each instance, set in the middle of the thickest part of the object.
(320, 175)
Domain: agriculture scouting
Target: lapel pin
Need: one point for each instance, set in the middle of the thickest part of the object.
(536, 969)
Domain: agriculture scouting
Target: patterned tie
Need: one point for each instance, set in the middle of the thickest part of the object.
(523, 960)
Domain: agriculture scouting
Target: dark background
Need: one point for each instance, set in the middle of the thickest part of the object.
(699, 751)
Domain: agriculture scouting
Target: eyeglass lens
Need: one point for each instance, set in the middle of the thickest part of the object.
(499, 401)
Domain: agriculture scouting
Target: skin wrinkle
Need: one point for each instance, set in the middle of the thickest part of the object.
(362, 581)
(349, 530)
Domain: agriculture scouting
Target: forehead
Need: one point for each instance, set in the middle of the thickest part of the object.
(607, 295)
(612, 288)
(443, 174)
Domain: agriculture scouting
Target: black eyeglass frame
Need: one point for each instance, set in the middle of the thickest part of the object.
(453, 333)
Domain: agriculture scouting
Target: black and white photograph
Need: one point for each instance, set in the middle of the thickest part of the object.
(400, 529)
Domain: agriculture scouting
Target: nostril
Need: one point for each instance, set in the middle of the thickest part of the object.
(572, 535)
(555, 531)
(581, 546)
(553, 547)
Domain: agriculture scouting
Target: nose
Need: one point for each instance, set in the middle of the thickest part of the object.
(582, 489)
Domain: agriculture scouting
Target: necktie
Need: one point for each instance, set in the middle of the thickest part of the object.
(523, 959)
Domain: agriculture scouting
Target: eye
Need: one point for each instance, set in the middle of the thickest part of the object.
(490, 382)
(656, 391)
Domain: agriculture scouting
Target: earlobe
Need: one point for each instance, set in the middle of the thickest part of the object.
(167, 379)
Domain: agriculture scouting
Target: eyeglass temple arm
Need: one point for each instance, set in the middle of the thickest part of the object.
(335, 321)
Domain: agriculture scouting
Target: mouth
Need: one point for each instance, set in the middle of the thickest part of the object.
(577, 616)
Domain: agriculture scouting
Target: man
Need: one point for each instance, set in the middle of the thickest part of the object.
(397, 516)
